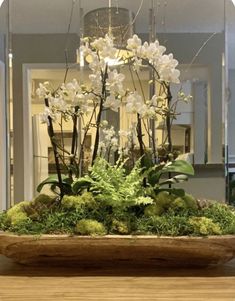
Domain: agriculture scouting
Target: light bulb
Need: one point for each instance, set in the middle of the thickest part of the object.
(233, 2)
(1, 2)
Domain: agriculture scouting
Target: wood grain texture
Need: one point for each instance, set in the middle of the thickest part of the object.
(118, 283)
(148, 250)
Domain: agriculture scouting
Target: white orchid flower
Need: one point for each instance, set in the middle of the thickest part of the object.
(134, 103)
(112, 103)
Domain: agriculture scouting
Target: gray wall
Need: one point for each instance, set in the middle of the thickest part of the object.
(3, 29)
(2, 47)
(231, 117)
(208, 183)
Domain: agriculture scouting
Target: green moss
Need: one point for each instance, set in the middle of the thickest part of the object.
(223, 215)
(153, 210)
(120, 227)
(190, 201)
(167, 201)
(90, 227)
(40, 206)
(17, 213)
(71, 201)
(86, 200)
(166, 225)
(164, 199)
(168, 215)
(3, 221)
(60, 222)
(178, 204)
(204, 226)
(43, 199)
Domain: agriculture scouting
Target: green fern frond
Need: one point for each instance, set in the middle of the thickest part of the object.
(112, 186)
(144, 201)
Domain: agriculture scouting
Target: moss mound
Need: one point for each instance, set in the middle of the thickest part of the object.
(85, 214)
(90, 227)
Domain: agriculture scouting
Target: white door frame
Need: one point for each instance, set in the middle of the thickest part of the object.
(27, 126)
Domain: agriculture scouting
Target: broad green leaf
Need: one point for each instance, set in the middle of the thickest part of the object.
(176, 191)
(178, 166)
(81, 183)
(146, 161)
(153, 174)
(174, 180)
(53, 180)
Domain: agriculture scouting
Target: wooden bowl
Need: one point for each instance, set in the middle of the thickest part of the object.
(143, 250)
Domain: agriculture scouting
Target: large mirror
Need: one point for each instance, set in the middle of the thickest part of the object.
(229, 106)
(45, 38)
(4, 106)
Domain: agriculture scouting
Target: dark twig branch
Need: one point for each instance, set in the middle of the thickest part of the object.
(56, 154)
(98, 120)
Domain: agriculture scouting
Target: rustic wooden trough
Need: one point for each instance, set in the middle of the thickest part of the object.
(147, 250)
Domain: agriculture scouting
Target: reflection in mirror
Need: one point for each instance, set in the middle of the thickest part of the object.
(45, 48)
(229, 108)
(4, 108)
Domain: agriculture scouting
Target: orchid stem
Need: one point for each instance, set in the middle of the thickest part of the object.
(56, 154)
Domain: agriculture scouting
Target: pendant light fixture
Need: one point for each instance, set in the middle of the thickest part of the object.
(115, 21)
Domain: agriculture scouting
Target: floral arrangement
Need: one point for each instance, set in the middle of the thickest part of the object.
(128, 188)
(105, 91)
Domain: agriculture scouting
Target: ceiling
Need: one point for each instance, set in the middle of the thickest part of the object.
(172, 16)
(33, 16)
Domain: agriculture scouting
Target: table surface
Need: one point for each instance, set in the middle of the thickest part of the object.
(100, 282)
